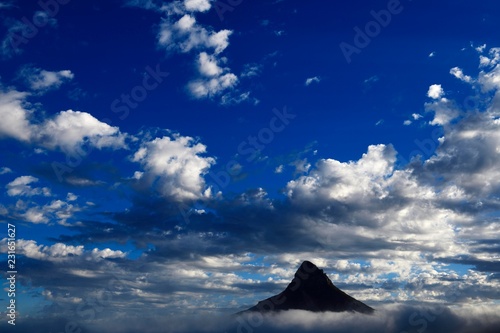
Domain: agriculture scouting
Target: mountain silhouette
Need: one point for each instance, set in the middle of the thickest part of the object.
(311, 290)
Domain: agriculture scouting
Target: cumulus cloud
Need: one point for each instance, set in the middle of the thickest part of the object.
(21, 187)
(215, 80)
(68, 130)
(384, 232)
(332, 179)
(176, 166)
(197, 5)
(435, 91)
(213, 86)
(444, 110)
(181, 32)
(14, 116)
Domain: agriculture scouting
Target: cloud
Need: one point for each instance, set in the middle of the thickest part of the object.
(68, 130)
(14, 116)
(59, 252)
(251, 70)
(459, 74)
(175, 166)
(492, 59)
(5, 170)
(6, 4)
(481, 48)
(444, 111)
(385, 231)
(21, 187)
(215, 81)
(42, 80)
(301, 165)
(197, 5)
(186, 34)
(202, 88)
(181, 32)
(435, 91)
(18, 32)
(390, 319)
(312, 80)
(332, 179)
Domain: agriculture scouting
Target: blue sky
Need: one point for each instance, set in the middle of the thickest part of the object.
(196, 151)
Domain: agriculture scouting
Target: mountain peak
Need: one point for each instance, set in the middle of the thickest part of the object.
(311, 290)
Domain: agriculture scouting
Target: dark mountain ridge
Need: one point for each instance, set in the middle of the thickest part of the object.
(312, 290)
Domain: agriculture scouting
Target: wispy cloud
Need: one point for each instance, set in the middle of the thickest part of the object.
(311, 80)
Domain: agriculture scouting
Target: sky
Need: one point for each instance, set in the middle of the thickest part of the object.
(168, 159)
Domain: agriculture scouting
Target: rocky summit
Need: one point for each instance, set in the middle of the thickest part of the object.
(312, 290)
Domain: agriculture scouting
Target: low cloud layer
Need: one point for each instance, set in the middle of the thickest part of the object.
(390, 319)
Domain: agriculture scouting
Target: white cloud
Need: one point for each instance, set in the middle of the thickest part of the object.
(435, 91)
(407, 122)
(106, 253)
(416, 116)
(459, 74)
(60, 252)
(21, 187)
(334, 180)
(232, 98)
(186, 34)
(492, 59)
(197, 5)
(432, 54)
(69, 130)
(5, 170)
(311, 80)
(14, 116)
(481, 48)
(180, 32)
(175, 166)
(208, 65)
(279, 169)
(444, 111)
(42, 80)
(210, 87)
(35, 215)
(71, 197)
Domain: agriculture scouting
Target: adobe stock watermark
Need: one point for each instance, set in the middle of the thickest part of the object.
(250, 148)
(364, 36)
(29, 29)
(223, 6)
(90, 307)
(420, 320)
(121, 106)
